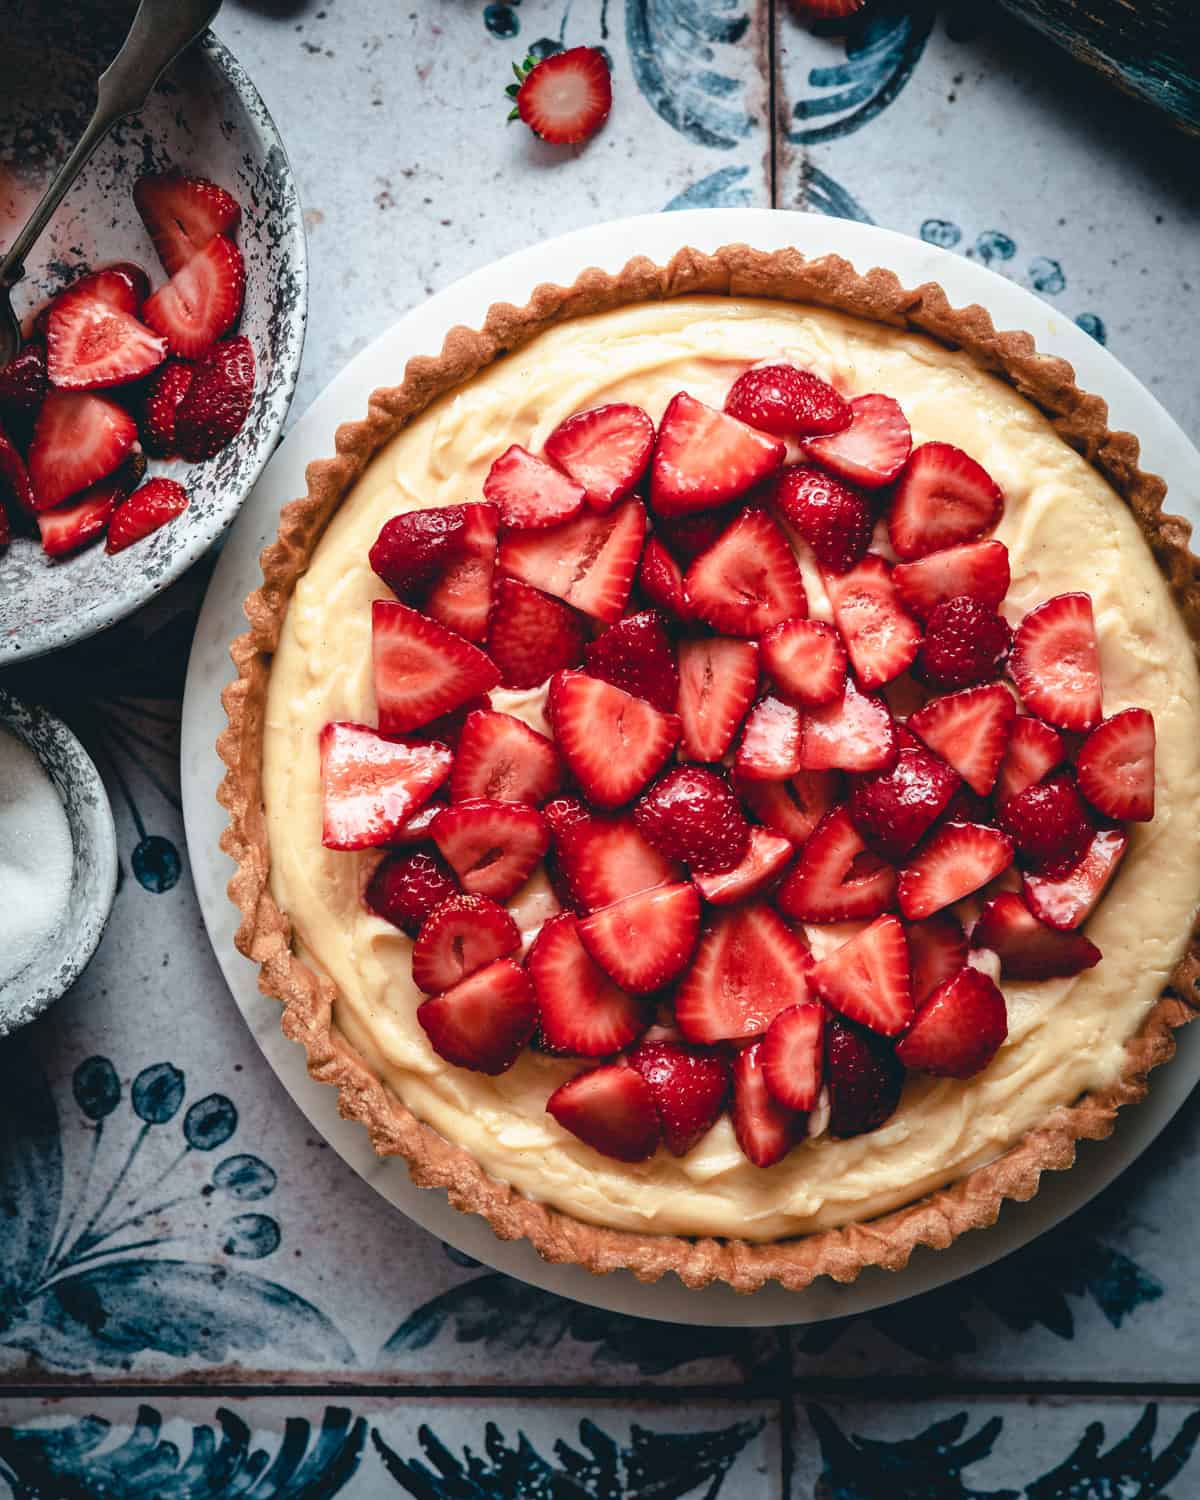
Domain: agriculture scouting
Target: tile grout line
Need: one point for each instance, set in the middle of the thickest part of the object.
(772, 105)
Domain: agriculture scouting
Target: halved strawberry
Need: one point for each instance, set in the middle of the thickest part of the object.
(1116, 766)
(201, 301)
(182, 214)
(580, 1010)
(1065, 902)
(836, 879)
(749, 966)
(14, 476)
(769, 749)
(1027, 947)
(485, 1022)
(461, 935)
(611, 1109)
(636, 655)
(970, 731)
(79, 438)
(792, 808)
(448, 727)
(958, 859)
(660, 579)
(787, 401)
(872, 450)
(793, 1055)
(973, 570)
(689, 1088)
(532, 635)
(589, 562)
(765, 1130)
(645, 940)
(417, 546)
(606, 859)
(856, 733)
(405, 888)
(90, 345)
(833, 519)
(807, 661)
(717, 682)
(164, 391)
(23, 381)
(881, 639)
(937, 949)
(217, 401)
(1056, 663)
(965, 644)
(565, 98)
(491, 846)
(704, 458)
(421, 668)
(894, 810)
(691, 815)
(863, 1077)
(942, 498)
(122, 286)
(766, 855)
(529, 492)
(605, 449)
(564, 812)
(1048, 823)
(612, 742)
(372, 784)
(500, 757)
(461, 597)
(68, 527)
(1034, 750)
(868, 979)
(959, 1029)
(158, 501)
(748, 579)
(689, 535)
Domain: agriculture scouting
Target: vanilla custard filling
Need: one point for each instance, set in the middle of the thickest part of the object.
(1065, 529)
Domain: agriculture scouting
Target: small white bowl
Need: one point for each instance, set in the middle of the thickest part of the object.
(64, 956)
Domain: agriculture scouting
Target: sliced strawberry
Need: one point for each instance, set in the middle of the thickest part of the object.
(461, 596)
(965, 643)
(792, 808)
(605, 859)
(461, 935)
(448, 727)
(854, 734)
(562, 813)
(766, 855)
(689, 1088)
(122, 286)
(1116, 766)
(164, 391)
(532, 635)
(704, 458)
(937, 949)
(958, 859)
(807, 661)
(881, 639)
(660, 579)
(589, 562)
(153, 505)
(689, 535)
(828, 10)
(14, 476)
(863, 1077)
(405, 888)
(371, 785)
(1056, 663)
(1048, 823)
(836, 879)
(90, 345)
(749, 966)
(748, 579)
(644, 941)
(1034, 750)
(611, 1109)
(491, 846)
(68, 527)
(942, 498)
(717, 683)
(581, 1011)
(421, 668)
(787, 401)
(529, 492)
(182, 214)
(769, 749)
(416, 828)
(833, 519)
(868, 979)
(605, 449)
(894, 810)
(974, 570)
(565, 97)
(636, 655)
(1066, 902)
(217, 401)
(1027, 948)
(501, 758)
(765, 1130)
(872, 450)
(970, 731)
(201, 301)
(23, 381)
(793, 1055)
(79, 439)
(486, 1021)
(417, 546)
(959, 1029)
(691, 815)
(612, 742)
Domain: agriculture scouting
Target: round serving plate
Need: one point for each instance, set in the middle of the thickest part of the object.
(1165, 450)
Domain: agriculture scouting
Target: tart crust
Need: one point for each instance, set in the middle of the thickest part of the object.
(265, 934)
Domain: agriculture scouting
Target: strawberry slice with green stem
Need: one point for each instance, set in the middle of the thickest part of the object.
(563, 98)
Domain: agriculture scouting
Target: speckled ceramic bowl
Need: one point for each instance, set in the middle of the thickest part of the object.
(64, 957)
(205, 117)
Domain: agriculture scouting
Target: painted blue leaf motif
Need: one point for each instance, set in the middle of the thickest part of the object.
(108, 1313)
(246, 1178)
(1129, 1468)
(941, 232)
(31, 1174)
(156, 864)
(673, 51)
(1093, 324)
(157, 1093)
(252, 1236)
(720, 189)
(993, 245)
(821, 192)
(210, 1122)
(926, 1467)
(1047, 276)
(96, 1087)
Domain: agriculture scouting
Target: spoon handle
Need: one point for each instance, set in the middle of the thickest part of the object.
(161, 30)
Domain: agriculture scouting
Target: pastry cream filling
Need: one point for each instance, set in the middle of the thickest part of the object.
(1065, 529)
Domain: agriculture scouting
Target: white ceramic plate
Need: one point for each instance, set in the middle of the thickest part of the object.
(1166, 450)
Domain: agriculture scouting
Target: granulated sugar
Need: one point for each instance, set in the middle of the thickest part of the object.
(35, 856)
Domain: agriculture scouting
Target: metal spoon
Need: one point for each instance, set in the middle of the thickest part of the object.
(161, 30)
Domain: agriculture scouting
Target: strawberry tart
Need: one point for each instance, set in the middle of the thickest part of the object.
(714, 769)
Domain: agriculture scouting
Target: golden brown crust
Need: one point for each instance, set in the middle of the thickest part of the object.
(265, 932)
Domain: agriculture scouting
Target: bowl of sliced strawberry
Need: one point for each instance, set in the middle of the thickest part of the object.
(162, 327)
